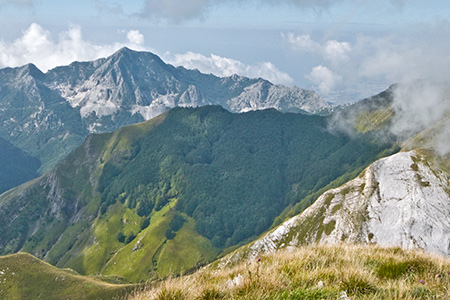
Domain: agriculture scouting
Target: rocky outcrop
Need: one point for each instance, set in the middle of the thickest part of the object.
(401, 200)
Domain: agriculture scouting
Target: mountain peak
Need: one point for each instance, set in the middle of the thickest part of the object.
(31, 69)
(124, 50)
(134, 54)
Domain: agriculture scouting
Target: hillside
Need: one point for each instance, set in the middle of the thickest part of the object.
(23, 276)
(48, 114)
(172, 193)
(402, 201)
(316, 272)
(307, 272)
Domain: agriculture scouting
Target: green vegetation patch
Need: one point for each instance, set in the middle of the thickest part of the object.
(117, 219)
(373, 120)
(316, 272)
(151, 252)
(23, 276)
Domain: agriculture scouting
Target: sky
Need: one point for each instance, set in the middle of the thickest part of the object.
(344, 50)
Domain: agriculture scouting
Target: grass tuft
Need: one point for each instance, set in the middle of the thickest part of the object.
(316, 272)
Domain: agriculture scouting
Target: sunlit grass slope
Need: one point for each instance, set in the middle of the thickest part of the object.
(22, 276)
(316, 272)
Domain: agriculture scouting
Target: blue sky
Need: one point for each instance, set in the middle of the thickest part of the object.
(345, 50)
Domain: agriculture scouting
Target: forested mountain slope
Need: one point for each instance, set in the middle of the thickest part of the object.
(171, 193)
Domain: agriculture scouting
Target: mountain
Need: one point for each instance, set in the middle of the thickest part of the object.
(398, 201)
(174, 192)
(23, 276)
(402, 200)
(48, 115)
(36, 119)
(16, 166)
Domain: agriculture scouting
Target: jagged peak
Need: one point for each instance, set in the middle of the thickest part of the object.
(127, 57)
(30, 69)
(126, 52)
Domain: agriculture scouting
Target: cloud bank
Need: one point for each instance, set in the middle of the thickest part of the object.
(421, 115)
(416, 53)
(423, 105)
(178, 11)
(181, 10)
(222, 67)
(333, 53)
(37, 46)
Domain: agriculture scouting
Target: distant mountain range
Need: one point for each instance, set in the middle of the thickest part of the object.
(48, 115)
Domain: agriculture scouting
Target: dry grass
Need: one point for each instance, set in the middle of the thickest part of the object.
(316, 272)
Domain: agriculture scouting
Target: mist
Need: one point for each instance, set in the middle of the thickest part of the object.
(416, 106)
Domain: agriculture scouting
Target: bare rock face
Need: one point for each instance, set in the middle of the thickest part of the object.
(140, 83)
(399, 201)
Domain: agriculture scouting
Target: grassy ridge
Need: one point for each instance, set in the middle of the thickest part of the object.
(22, 276)
(316, 272)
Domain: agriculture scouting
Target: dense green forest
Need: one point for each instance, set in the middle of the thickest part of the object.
(234, 174)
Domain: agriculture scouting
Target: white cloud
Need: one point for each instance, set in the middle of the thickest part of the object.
(407, 58)
(302, 42)
(37, 46)
(336, 51)
(332, 51)
(416, 53)
(419, 104)
(135, 37)
(221, 66)
(324, 78)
